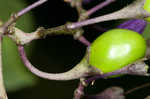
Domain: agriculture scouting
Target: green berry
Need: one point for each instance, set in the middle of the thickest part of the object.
(115, 49)
(147, 8)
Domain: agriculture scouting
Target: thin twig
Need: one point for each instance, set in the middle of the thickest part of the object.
(14, 17)
(83, 40)
(79, 92)
(22, 38)
(137, 88)
(3, 94)
(30, 7)
(134, 10)
(84, 15)
(99, 6)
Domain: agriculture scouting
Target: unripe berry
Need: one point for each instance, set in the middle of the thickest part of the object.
(115, 49)
(147, 8)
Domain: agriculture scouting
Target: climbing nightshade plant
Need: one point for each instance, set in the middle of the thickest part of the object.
(116, 52)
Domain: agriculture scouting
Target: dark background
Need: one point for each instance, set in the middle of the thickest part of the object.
(60, 53)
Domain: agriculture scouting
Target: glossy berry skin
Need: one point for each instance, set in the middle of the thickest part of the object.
(147, 8)
(115, 49)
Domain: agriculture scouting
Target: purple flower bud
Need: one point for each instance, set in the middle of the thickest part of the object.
(137, 25)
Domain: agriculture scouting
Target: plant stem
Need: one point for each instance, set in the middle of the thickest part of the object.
(137, 88)
(30, 7)
(80, 70)
(99, 6)
(2, 88)
(134, 10)
(14, 17)
(83, 40)
(136, 68)
(79, 92)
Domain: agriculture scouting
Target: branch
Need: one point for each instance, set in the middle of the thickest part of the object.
(22, 38)
(99, 6)
(79, 92)
(14, 17)
(134, 10)
(30, 7)
(3, 94)
(82, 16)
(84, 41)
(80, 70)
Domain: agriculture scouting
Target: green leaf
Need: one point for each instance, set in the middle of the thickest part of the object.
(146, 32)
(16, 76)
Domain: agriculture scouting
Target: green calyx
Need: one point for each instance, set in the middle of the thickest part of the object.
(115, 49)
(147, 8)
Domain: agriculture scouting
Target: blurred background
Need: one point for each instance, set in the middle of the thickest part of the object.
(57, 54)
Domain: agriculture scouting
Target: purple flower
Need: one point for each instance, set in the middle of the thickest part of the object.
(137, 25)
